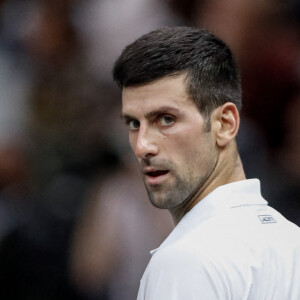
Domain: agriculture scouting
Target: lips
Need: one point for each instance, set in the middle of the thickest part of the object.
(157, 173)
(155, 177)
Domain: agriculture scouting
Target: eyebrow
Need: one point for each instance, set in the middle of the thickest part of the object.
(162, 110)
(158, 111)
(127, 117)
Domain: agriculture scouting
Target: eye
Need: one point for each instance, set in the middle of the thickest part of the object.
(133, 124)
(166, 120)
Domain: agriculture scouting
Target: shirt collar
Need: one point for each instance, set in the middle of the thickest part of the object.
(239, 193)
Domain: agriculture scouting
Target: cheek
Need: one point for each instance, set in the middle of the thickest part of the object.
(192, 148)
(132, 140)
(181, 149)
(185, 140)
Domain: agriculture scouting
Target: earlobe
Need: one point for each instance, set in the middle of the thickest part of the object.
(228, 120)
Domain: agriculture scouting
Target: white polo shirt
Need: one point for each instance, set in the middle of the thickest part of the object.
(231, 245)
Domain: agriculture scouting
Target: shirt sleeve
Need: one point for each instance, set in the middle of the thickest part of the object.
(183, 275)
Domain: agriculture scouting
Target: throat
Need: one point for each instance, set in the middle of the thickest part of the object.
(204, 187)
(180, 210)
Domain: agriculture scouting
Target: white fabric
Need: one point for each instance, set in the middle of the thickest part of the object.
(231, 245)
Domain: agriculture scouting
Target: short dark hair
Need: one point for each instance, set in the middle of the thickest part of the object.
(212, 74)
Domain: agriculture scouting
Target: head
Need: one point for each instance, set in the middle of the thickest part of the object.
(212, 77)
(178, 84)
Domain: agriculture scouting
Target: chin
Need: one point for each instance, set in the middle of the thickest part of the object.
(158, 202)
(164, 203)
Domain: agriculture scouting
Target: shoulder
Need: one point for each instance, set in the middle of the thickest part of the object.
(178, 272)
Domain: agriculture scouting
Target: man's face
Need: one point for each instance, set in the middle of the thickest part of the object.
(167, 134)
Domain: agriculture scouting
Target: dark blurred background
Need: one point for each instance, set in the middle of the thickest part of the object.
(75, 222)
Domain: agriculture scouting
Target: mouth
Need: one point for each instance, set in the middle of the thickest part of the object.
(154, 177)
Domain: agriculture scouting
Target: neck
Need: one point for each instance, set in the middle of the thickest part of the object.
(225, 171)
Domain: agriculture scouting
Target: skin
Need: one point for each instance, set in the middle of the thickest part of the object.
(181, 162)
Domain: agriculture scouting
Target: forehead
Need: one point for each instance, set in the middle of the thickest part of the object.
(168, 91)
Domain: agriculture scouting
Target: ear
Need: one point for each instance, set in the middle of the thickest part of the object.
(226, 121)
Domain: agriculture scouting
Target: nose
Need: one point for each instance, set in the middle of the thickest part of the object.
(145, 145)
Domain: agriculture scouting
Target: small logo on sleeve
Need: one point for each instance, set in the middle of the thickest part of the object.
(266, 219)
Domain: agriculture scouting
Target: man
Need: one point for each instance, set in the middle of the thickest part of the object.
(181, 98)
